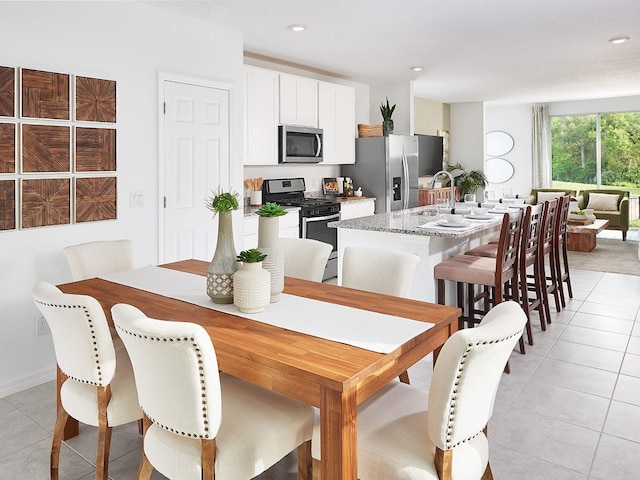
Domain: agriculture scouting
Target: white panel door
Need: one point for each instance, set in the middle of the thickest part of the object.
(196, 161)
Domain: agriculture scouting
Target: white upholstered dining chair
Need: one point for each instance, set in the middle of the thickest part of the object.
(378, 270)
(99, 389)
(305, 258)
(399, 438)
(91, 259)
(202, 423)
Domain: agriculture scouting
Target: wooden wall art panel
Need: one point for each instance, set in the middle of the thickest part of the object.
(95, 150)
(7, 92)
(7, 204)
(45, 94)
(46, 202)
(95, 100)
(7, 148)
(95, 199)
(45, 148)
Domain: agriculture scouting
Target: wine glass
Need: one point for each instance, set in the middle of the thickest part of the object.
(469, 198)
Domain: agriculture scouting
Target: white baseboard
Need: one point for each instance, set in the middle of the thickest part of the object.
(27, 381)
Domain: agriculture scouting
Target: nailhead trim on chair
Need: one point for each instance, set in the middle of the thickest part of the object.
(453, 396)
(202, 385)
(93, 335)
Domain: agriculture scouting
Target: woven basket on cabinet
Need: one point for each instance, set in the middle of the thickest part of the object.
(365, 130)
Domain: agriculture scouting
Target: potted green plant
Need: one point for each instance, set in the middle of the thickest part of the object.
(253, 255)
(271, 209)
(469, 182)
(387, 123)
(223, 264)
(268, 242)
(251, 284)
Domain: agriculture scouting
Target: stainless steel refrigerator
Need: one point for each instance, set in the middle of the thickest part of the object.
(386, 168)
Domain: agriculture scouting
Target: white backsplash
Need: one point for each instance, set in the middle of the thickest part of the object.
(312, 174)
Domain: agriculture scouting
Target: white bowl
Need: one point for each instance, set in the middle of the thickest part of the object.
(453, 218)
(479, 211)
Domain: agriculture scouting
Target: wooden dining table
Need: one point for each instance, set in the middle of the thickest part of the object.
(330, 375)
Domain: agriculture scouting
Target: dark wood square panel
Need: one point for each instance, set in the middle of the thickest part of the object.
(95, 100)
(45, 94)
(45, 148)
(46, 202)
(95, 150)
(7, 92)
(7, 204)
(7, 148)
(95, 199)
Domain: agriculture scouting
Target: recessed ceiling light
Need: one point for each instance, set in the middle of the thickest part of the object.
(621, 39)
(297, 27)
(417, 68)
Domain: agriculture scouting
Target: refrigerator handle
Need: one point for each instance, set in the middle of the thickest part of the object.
(405, 175)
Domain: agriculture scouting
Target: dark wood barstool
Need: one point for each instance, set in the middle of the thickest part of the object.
(561, 257)
(546, 255)
(497, 275)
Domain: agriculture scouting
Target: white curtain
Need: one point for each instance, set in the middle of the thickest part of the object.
(541, 146)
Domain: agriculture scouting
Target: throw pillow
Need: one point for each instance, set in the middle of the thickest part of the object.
(603, 201)
(545, 196)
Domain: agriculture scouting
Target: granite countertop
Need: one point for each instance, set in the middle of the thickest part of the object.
(353, 199)
(408, 222)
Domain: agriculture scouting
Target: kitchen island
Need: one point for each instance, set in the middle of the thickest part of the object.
(416, 231)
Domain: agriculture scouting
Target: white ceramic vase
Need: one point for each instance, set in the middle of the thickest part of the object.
(251, 288)
(268, 244)
(223, 264)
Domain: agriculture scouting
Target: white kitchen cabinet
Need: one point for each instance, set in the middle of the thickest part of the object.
(337, 118)
(261, 110)
(298, 100)
(288, 228)
(356, 208)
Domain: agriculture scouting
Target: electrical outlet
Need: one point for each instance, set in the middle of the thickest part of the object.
(42, 327)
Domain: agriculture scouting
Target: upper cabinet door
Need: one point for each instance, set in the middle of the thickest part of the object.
(337, 118)
(261, 109)
(298, 101)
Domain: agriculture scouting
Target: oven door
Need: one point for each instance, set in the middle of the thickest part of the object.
(316, 228)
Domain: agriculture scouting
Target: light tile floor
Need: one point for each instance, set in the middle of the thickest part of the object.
(570, 409)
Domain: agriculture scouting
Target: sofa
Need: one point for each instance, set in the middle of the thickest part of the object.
(612, 205)
(547, 194)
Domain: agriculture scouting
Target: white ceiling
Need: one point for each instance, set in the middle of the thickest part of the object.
(498, 51)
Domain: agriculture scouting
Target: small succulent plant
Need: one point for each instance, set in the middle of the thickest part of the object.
(271, 209)
(253, 255)
(220, 201)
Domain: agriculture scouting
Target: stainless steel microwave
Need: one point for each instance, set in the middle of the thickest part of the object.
(299, 144)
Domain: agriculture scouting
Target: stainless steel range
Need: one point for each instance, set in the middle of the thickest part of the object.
(315, 214)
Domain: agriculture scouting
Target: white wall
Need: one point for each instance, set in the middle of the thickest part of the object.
(127, 42)
(516, 121)
(466, 138)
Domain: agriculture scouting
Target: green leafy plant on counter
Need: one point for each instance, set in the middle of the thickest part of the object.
(220, 201)
(271, 209)
(253, 255)
(469, 182)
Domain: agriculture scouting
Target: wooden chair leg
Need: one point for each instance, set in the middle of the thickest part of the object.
(404, 377)
(208, 458)
(58, 433)
(145, 469)
(104, 434)
(305, 461)
(487, 475)
(443, 460)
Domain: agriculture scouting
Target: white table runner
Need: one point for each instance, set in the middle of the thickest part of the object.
(369, 330)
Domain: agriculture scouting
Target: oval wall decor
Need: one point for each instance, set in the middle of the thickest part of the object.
(498, 143)
(498, 170)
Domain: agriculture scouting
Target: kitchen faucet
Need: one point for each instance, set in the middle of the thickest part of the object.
(452, 196)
